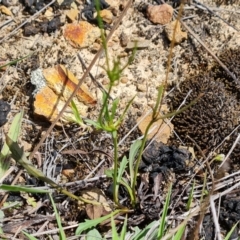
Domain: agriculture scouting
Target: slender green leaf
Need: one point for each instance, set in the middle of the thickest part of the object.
(29, 236)
(132, 154)
(164, 214)
(121, 169)
(114, 108)
(20, 157)
(13, 133)
(231, 231)
(124, 229)
(15, 61)
(59, 223)
(106, 113)
(17, 188)
(88, 224)
(93, 235)
(114, 230)
(178, 235)
(129, 189)
(141, 235)
(93, 123)
(77, 116)
(124, 112)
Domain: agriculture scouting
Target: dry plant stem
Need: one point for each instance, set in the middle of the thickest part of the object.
(211, 53)
(53, 231)
(235, 129)
(188, 217)
(218, 195)
(28, 20)
(98, 84)
(215, 14)
(7, 173)
(230, 151)
(13, 183)
(206, 201)
(215, 218)
(81, 80)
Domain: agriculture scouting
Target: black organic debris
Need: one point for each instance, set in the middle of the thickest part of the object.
(158, 162)
(159, 158)
(4, 110)
(44, 26)
(90, 9)
(230, 215)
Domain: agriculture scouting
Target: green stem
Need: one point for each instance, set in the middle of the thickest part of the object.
(115, 183)
(156, 110)
(104, 105)
(138, 162)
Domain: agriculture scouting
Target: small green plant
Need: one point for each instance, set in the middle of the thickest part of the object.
(14, 132)
(77, 117)
(15, 61)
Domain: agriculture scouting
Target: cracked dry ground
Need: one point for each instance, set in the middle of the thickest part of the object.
(191, 140)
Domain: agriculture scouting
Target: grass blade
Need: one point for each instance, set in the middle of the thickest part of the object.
(231, 231)
(17, 188)
(13, 133)
(132, 154)
(76, 114)
(114, 230)
(30, 237)
(124, 229)
(164, 214)
(94, 222)
(61, 231)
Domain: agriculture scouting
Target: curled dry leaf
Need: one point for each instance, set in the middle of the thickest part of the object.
(179, 35)
(96, 211)
(5, 10)
(81, 34)
(60, 84)
(159, 129)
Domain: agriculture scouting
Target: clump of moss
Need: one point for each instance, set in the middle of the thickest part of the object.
(217, 113)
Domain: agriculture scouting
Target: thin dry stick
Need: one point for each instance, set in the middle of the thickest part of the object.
(81, 81)
(204, 204)
(13, 183)
(215, 14)
(98, 84)
(230, 151)
(28, 20)
(215, 219)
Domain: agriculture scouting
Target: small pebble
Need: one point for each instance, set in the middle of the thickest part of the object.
(124, 80)
(161, 14)
(142, 87)
(105, 81)
(123, 39)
